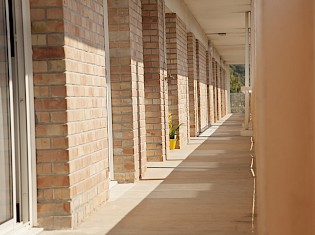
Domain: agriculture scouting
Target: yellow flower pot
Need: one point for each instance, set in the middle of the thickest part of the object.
(172, 144)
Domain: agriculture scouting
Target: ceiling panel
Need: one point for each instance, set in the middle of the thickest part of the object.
(224, 24)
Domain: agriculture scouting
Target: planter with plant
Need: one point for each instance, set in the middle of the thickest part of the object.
(173, 131)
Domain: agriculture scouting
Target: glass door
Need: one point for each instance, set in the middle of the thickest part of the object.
(6, 174)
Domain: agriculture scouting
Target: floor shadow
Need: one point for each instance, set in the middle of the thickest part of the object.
(208, 193)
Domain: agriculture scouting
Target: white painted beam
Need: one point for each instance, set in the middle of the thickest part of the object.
(247, 114)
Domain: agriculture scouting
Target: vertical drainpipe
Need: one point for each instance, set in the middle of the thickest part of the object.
(228, 98)
(165, 84)
(246, 124)
(108, 96)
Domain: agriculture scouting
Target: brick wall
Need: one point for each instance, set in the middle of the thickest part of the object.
(137, 71)
(222, 91)
(223, 98)
(217, 68)
(176, 39)
(127, 84)
(219, 90)
(215, 94)
(183, 108)
(86, 105)
(53, 181)
(70, 109)
(202, 85)
(210, 89)
(193, 85)
(156, 97)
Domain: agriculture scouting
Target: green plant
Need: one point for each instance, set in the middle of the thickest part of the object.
(237, 78)
(173, 129)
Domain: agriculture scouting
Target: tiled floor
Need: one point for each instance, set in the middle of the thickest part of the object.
(205, 188)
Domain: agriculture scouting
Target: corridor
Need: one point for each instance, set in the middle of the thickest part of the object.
(210, 192)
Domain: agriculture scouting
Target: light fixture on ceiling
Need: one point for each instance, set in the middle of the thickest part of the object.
(222, 34)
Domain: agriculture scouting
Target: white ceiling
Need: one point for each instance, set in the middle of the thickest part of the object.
(223, 16)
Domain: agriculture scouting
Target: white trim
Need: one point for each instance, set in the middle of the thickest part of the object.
(246, 124)
(30, 113)
(11, 118)
(228, 88)
(20, 229)
(7, 226)
(21, 118)
(109, 100)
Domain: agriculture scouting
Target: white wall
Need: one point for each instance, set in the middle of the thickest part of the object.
(179, 7)
(285, 117)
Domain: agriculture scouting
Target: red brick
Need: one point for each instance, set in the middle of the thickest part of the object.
(59, 142)
(47, 26)
(52, 156)
(45, 53)
(58, 117)
(54, 13)
(60, 168)
(50, 78)
(42, 117)
(46, 3)
(44, 169)
(43, 143)
(51, 130)
(52, 181)
(58, 91)
(47, 209)
(50, 104)
(55, 39)
(38, 14)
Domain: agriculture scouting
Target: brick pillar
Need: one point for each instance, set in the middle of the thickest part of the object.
(155, 75)
(70, 109)
(210, 89)
(215, 94)
(198, 85)
(193, 85)
(86, 106)
(227, 91)
(219, 92)
(202, 85)
(127, 84)
(52, 154)
(223, 91)
(176, 41)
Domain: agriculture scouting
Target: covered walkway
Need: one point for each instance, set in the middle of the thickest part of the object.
(208, 189)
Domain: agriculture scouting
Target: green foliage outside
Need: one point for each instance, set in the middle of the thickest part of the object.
(237, 78)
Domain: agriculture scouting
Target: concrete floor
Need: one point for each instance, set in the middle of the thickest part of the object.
(205, 188)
